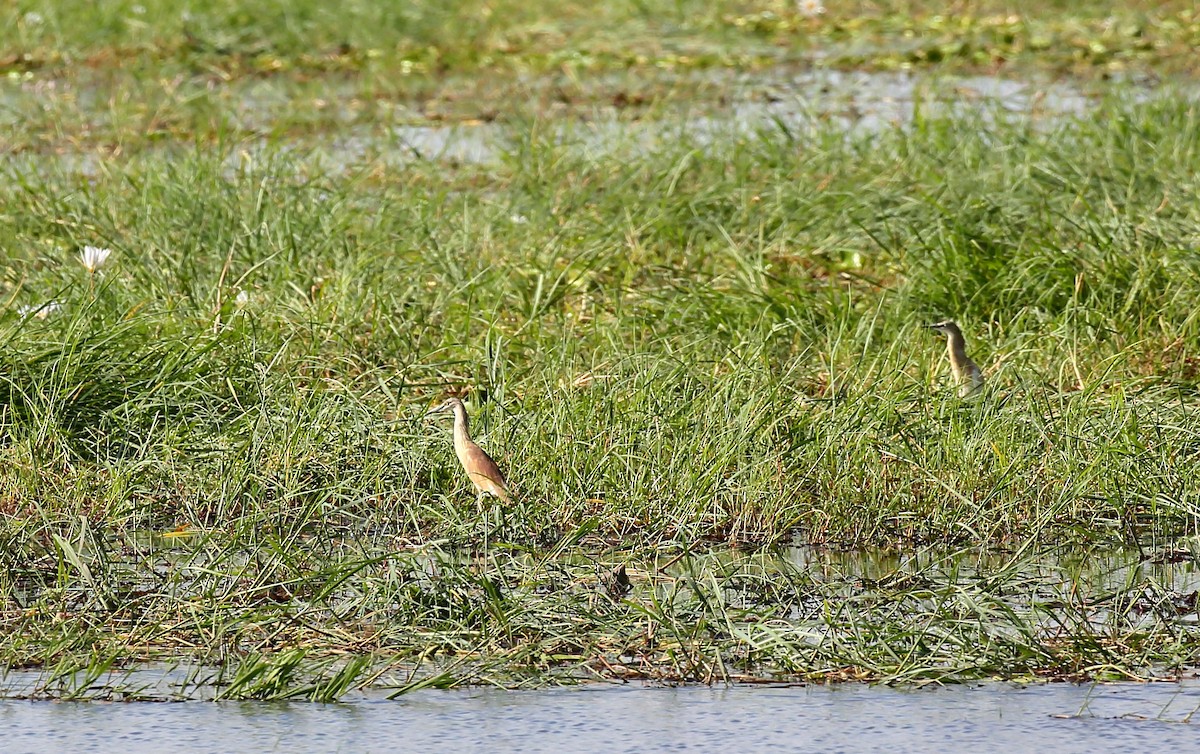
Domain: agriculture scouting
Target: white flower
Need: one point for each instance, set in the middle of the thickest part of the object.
(138, 10)
(810, 8)
(94, 257)
(242, 298)
(33, 18)
(41, 312)
(518, 219)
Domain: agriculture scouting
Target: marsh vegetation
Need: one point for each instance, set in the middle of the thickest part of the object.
(686, 353)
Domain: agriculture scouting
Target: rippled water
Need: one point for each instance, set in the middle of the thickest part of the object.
(1058, 718)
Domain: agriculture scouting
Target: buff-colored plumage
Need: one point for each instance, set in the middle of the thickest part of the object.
(483, 472)
(967, 374)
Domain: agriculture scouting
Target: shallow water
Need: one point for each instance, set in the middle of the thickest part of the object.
(795, 100)
(1060, 718)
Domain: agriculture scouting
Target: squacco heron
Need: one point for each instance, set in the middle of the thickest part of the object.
(483, 472)
(966, 372)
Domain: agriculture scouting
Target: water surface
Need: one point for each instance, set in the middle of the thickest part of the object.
(1059, 718)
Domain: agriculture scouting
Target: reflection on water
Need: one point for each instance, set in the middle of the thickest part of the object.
(1060, 718)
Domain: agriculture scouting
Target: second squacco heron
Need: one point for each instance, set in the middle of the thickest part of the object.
(967, 374)
(483, 472)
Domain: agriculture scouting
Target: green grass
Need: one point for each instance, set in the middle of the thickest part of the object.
(703, 341)
(270, 36)
(213, 451)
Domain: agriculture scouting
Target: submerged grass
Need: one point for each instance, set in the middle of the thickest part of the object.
(294, 627)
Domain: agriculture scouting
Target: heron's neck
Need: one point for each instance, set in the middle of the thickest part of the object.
(957, 348)
(462, 429)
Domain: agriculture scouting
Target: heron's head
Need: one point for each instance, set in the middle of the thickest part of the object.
(450, 404)
(945, 327)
